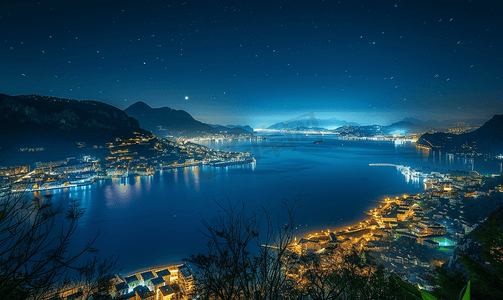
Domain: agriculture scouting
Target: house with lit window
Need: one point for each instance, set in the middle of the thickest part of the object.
(186, 281)
(166, 293)
(132, 281)
(164, 274)
(147, 279)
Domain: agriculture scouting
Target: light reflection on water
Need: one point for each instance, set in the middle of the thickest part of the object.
(162, 213)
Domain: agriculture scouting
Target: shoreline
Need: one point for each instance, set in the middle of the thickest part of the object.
(171, 167)
(154, 268)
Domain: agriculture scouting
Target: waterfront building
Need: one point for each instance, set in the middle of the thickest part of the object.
(166, 293)
(76, 168)
(389, 219)
(147, 279)
(14, 170)
(121, 289)
(157, 283)
(309, 245)
(49, 164)
(132, 281)
(143, 293)
(186, 281)
(164, 274)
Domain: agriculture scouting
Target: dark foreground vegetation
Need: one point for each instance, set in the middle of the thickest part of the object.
(35, 261)
(252, 254)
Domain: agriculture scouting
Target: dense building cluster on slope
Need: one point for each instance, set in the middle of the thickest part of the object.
(409, 234)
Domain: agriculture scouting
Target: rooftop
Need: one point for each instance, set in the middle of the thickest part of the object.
(157, 280)
(166, 290)
(163, 273)
(131, 278)
(185, 271)
(147, 275)
(121, 286)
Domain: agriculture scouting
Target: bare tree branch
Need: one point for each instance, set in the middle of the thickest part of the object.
(34, 246)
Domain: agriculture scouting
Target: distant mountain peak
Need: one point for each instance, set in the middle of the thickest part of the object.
(165, 121)
(413, 121)
(139, 106)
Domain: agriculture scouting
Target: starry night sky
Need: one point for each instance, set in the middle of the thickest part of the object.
(261, 62)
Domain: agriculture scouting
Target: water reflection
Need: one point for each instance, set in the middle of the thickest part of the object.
(191, 177)
(450, 158)
(196, 177)
(137, 185)
(186, 177)
(329, 168)
(119, 193)
(449, 161)
(425, 152)
(412, 176)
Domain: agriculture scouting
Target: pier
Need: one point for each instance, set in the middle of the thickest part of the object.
(385, 165)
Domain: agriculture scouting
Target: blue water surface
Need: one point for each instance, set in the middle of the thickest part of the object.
(156, 220)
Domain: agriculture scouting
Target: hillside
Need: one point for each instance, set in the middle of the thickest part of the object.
(58, 124)
(165, 121)
(488, 139)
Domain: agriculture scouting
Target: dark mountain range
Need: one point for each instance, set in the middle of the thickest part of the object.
(487, 139)
(165, 121)
(233, 129)
(331, 123)
(34, 119)
(59, 125)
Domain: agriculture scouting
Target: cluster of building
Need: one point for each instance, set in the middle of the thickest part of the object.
(138, 155)
(51, 175)
(39, 149)
(462, 127)
(411, 233)
(217, 137)
(165, 283)
(145, 155)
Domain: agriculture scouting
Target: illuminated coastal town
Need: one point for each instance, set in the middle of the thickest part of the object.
(236, 150)
(407, 234)
(137, 156)
(411, 233)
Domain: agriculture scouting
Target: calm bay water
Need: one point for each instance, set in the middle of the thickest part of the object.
(155, 220)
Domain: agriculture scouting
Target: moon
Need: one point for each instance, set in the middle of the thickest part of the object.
(186, 97)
